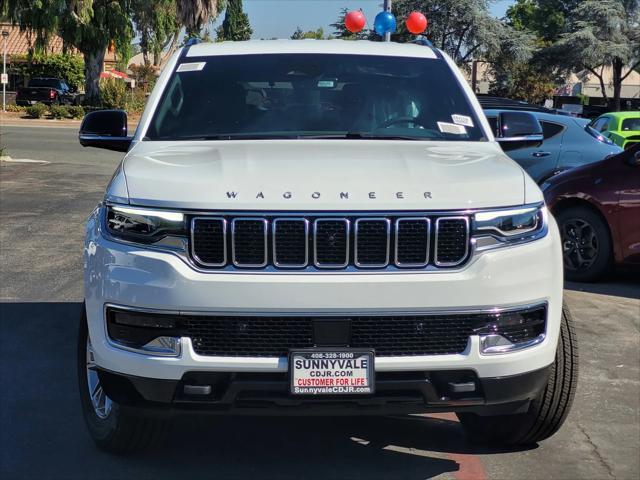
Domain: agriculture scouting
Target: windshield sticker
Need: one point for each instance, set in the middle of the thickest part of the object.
(462, 120)
(191, 67)
(452, 128)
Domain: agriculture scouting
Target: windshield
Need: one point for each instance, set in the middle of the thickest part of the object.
(630, 124)
(313, 96)
(44, 82)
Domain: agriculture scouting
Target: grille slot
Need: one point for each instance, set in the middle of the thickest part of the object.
(412, 241)
(249, 242)
(331, 243)
(372, 238)
(208, 241)
(290, 242)
(452, 241)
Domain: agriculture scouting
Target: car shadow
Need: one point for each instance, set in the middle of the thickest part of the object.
(620, 284)
(43, 433)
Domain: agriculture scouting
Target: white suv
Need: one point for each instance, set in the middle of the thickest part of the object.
(320, 227)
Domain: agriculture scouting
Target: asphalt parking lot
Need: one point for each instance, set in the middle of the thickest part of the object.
(43, 205)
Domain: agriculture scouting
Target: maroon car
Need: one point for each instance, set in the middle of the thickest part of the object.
(597, 207)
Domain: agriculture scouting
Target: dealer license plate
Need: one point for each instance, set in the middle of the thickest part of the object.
(331, 372)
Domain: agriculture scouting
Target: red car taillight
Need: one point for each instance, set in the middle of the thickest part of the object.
(52, 94)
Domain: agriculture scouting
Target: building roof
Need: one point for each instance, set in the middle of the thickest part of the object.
(20, 42)
(347, 47)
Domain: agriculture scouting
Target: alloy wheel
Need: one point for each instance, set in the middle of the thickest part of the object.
(101, 402)
(579, 244)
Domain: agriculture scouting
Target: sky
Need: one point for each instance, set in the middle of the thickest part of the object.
(279, 18)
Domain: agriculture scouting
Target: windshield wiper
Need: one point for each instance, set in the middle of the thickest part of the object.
(360, 136)
(230, 136)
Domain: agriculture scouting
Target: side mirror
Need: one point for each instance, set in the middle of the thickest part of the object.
(518, 130)
(105, 129)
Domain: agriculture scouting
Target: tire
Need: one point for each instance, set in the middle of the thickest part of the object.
(113, 430)
(546, 413)
(590, 241)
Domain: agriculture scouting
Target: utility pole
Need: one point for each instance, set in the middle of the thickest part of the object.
(5, 34)
(387, 8)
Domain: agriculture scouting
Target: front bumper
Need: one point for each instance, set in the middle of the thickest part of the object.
(259, 394)
(126, 275)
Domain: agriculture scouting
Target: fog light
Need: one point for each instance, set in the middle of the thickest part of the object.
(507, 331)
(142, 332)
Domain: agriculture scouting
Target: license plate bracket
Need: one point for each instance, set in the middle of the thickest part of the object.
(332, 371)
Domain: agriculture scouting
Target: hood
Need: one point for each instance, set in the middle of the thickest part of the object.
(315, 175)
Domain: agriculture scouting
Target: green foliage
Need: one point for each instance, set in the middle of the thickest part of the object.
(15, 108)
(40, 17)
(603, 33)
(465, 29)
(58, 112)
(36, 111)
(235, 25)
(90, 26)
(314, 34)
(75, 111)
(522, 81)
(341, 32)
(145, 76)
(194, 14)
(113, 93)
(66, 66)
(157, 26)
(136, 101)
(546, 18)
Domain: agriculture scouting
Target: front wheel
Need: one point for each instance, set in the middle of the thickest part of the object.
(586, 244)
(112, 428)
(546, 413)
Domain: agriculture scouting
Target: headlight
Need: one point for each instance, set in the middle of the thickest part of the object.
(507, 227)
(142, 225)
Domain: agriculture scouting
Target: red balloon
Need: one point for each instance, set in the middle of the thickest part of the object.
(416, 23)
(354, 21)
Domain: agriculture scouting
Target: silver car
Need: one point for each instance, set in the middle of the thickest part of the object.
(568, 142)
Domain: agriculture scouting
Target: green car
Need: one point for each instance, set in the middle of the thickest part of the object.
(622, 128)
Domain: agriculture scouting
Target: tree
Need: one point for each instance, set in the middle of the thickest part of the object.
(194, 14)
(38, 18)
(157, 27)
(603, 34)
(235, 25)
(546, 18)
(340, 30)
(315, 34)
(90, 26)
(463, 28)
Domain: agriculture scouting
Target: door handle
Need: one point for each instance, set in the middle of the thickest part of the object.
(541, 154)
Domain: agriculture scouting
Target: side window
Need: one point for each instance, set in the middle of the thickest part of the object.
(550, 130)
(604, 125)
(493, 123)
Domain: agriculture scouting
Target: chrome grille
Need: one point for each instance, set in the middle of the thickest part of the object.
(452, 244)
(249, 242)
(330, 242)
(372, 239)
(290, 242)
(412, 241)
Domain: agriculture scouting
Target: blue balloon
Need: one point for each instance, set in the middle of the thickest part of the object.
(384, 22)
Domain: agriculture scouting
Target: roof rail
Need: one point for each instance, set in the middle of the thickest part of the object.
(192, 41)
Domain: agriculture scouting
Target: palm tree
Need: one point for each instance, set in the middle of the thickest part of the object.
(194, 14)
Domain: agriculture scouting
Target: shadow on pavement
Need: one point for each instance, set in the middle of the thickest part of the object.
(623, 284)
(43, 434)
